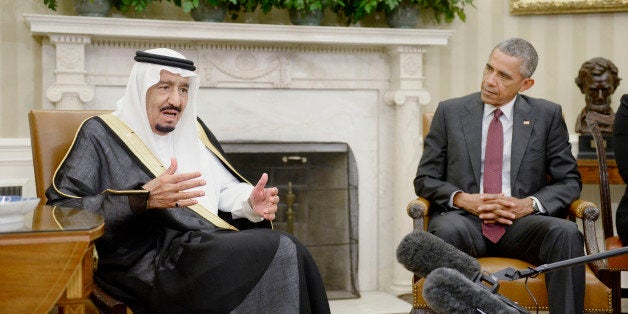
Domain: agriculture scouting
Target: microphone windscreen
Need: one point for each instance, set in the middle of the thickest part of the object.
(422, 252)
(448, 291)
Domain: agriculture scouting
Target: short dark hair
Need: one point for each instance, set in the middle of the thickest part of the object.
(520, 48)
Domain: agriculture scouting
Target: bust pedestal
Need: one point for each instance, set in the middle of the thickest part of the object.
(586, 146)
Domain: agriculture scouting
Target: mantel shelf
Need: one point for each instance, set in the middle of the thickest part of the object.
(109, 27)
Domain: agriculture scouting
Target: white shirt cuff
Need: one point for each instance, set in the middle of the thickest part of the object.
(451, 199)
(541, 208)
(249, 213)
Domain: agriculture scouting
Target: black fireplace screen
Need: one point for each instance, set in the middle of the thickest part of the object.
(318, 188)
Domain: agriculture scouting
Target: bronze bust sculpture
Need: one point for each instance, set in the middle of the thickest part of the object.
(597, 79)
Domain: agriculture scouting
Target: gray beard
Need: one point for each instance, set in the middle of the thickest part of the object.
(164, 129)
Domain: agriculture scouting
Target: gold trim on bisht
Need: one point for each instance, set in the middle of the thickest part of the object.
(152, 163)
(54, 175)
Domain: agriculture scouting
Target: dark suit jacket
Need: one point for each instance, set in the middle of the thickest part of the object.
(542, 164)
(620, 140)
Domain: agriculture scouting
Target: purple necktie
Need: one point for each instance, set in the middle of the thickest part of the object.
(493, 159)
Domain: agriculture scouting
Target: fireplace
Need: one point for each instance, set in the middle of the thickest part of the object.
(318, 191)
(353, 86)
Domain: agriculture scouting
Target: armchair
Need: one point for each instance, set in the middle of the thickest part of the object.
(52, 133)
(597, 295)
(611, 272)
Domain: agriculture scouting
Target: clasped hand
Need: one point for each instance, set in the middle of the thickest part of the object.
(176, 190)
(494, 208)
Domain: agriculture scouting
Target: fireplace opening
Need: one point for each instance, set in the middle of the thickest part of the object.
(318, 190)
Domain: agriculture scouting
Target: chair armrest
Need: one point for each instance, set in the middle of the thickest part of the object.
(588, 213)
(584, 210)
(418, 210)
(106, 303)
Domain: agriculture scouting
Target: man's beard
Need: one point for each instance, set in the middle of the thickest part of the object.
(167, 129)
(164, 129)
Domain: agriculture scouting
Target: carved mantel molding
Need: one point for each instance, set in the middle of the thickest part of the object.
(122, 28)
(89, 55)
(71, 35)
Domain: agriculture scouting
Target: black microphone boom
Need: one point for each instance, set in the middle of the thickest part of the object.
(455, 280)
(512, 274)
(448, 291)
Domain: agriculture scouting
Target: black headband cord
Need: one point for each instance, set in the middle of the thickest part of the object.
(142, 56)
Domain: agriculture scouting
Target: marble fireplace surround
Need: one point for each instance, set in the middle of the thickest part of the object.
(360, 86)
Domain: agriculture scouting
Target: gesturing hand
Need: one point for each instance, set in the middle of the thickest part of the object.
(264, 200)
(170, 190)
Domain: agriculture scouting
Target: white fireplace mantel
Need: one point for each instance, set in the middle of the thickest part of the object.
(106, 27)
(362, 86)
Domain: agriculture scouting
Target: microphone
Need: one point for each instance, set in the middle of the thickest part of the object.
(423, 252)
(446, 290)
(428, 256)
(459, 282)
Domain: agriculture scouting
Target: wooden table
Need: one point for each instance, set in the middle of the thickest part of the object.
(49, 261)
(590, 171)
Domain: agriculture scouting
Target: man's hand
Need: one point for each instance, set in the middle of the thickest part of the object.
(491, 208)
(498, 208)
(264, 200)
(468, 202)
(171, 190)
(520, 206)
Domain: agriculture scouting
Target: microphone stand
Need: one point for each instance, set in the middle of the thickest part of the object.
(511, 274)
(490, 281)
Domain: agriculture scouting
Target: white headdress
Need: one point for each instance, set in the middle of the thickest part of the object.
(182, 143)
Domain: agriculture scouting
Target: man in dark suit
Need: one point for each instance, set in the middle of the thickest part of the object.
(620, 138)
(505, 204)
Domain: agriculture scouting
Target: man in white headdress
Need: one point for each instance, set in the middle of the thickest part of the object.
(175, 209)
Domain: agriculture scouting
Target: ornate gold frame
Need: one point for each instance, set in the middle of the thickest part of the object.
(566, 6)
